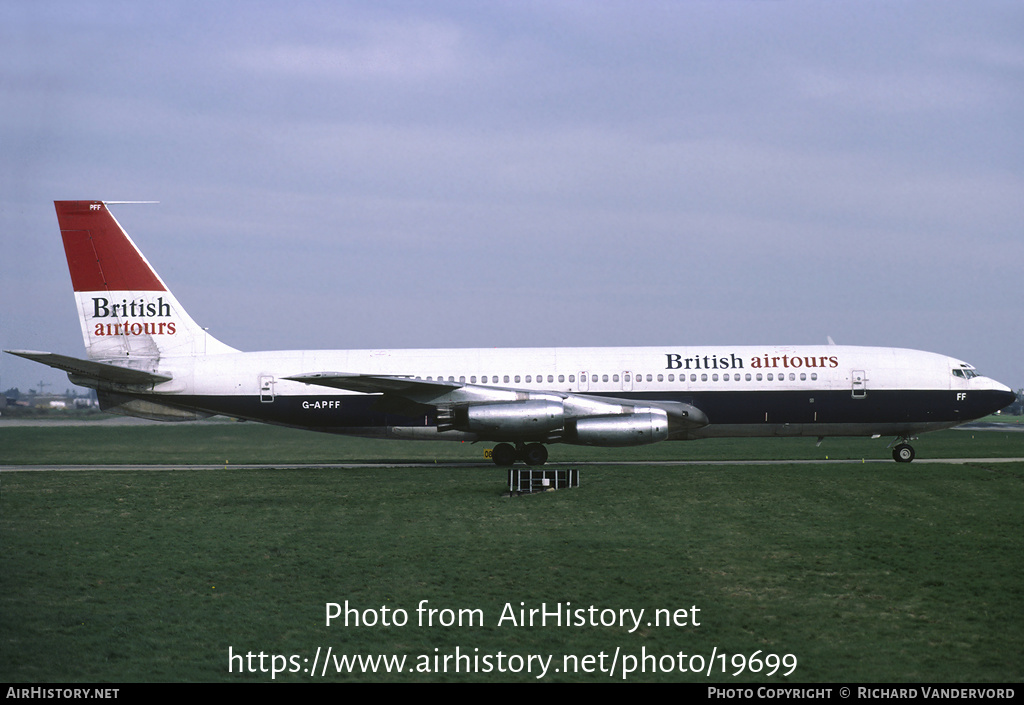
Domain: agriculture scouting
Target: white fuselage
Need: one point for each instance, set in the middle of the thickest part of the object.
(743, 390)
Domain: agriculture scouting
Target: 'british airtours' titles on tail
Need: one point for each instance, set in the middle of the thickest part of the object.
(675, 361)
(137, 308)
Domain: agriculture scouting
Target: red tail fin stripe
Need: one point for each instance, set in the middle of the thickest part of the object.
(101, 256)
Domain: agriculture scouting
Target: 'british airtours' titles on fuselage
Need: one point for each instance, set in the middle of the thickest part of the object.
(676, 361)
(139, 308)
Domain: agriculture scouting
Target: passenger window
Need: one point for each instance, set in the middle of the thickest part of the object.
(561, 378)
(703, 378)
(529, 379)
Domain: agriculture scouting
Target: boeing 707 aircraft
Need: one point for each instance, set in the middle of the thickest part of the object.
(146, 357)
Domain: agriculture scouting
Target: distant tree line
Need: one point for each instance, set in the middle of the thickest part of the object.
(1017, 407)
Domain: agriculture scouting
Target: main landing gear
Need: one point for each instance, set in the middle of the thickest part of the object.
(504, 454)
(903, 452)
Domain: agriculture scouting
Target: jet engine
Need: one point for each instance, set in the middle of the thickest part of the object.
(587, 422)
(520, 419)
(639, 428)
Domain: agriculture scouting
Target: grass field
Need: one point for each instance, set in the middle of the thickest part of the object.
(873, 572)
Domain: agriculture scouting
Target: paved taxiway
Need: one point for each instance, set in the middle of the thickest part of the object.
(120, 420)
(484, 465)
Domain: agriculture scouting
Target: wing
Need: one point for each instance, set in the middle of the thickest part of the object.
(376, 384)
(517, 414)
(398, 395)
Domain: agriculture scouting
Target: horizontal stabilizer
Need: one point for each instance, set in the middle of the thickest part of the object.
(101, 371)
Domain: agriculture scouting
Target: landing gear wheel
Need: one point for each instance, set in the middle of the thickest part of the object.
(535, 454)
(903, 453)
(503, 455)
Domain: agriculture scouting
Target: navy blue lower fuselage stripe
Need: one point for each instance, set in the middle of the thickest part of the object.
(723, 408)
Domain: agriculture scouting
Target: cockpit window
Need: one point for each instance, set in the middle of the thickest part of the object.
(965, 373)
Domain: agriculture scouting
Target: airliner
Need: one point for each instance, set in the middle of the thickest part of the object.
(146, 357)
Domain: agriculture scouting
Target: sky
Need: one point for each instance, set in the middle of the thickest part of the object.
(520, 174)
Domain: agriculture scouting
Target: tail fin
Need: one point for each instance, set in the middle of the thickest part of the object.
(126, 311)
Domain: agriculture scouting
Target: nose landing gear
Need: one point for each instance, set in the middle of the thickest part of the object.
(903, 452)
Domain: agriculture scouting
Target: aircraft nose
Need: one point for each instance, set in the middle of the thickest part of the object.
(1005, 398)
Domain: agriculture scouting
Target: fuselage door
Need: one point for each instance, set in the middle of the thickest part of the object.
(627, 381)
(584, 382)
(860, 384)
(266, 388)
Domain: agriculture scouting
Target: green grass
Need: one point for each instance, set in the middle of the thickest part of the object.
(879, 572)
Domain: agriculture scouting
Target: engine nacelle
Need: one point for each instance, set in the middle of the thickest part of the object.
(636, 429)
(526, 419)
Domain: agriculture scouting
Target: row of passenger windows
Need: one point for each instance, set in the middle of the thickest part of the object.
(594, 378)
